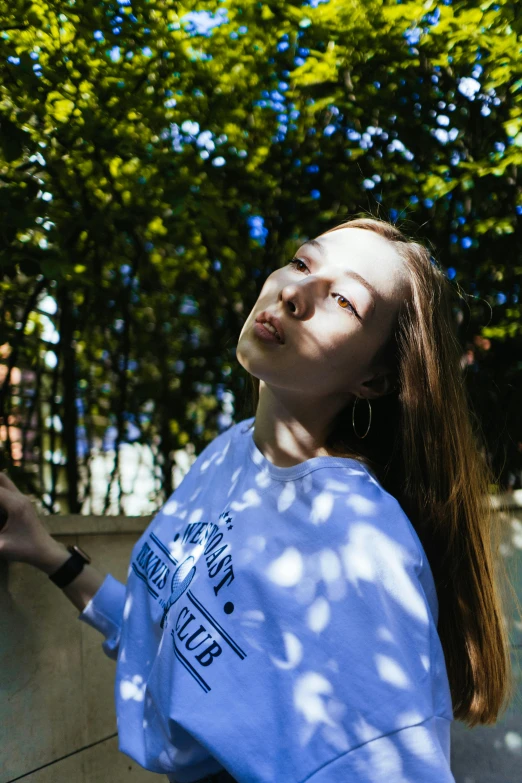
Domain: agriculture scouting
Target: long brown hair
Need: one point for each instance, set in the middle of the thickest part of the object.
(425, 445)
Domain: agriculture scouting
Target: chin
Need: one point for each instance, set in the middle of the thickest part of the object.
(245, 357)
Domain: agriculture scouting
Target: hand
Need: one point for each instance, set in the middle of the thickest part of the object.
(23, 537)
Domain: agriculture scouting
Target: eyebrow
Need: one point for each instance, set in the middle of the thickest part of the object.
(347, 272)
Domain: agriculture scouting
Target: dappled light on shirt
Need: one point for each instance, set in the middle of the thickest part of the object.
(293, 652)
(322, 507)
(133, 689)
(373, 556)
(294, 603)
(287, 570)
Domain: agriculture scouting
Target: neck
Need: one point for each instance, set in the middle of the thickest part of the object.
(291, 428)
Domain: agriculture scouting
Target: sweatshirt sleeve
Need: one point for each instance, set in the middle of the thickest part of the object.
(105, 613)
(415, 753)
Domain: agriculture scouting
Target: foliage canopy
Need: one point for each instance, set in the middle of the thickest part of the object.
(158, 160)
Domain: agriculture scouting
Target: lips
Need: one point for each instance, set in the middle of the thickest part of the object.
(275, 322)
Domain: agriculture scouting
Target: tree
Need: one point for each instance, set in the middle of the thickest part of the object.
(159, 160)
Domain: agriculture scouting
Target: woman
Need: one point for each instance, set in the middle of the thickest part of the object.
(316, 601)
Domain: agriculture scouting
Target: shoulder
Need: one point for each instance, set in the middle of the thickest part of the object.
(371, 506)
(380, 541)
(357, 488)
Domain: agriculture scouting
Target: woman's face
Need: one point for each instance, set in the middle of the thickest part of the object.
(336, 304)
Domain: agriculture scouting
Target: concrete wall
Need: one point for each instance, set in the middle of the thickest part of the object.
(57, 718)
(493, 754)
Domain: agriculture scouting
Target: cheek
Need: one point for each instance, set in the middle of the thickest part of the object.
(340, 347)
(267, 295)
(272, 284)
(258, 304)
(319, 347)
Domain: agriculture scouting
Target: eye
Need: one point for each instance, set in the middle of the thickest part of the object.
(345, 304)
(295, 262)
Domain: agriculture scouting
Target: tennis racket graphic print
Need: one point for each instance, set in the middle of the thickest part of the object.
(181, 579)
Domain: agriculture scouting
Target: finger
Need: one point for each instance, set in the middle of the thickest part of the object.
(6, 482)
(9, 501)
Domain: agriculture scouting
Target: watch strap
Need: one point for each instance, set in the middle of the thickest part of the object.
(69, 570)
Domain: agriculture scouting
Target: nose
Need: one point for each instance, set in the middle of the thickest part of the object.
(295, 299)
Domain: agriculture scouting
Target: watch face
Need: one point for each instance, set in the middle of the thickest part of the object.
(82, 552)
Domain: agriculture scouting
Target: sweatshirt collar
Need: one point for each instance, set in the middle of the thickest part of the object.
(302, 468)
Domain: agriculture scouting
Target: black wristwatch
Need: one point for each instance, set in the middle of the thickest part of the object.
(71, 568)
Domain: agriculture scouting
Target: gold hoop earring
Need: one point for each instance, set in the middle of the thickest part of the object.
(353, 417)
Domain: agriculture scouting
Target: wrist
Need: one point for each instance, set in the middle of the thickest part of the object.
(52, 557)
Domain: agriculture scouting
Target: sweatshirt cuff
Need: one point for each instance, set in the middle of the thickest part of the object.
(105, 609)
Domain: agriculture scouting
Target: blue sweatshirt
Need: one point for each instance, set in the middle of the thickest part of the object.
(280, 623)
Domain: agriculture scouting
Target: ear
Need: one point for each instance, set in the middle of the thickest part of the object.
(379, 385)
